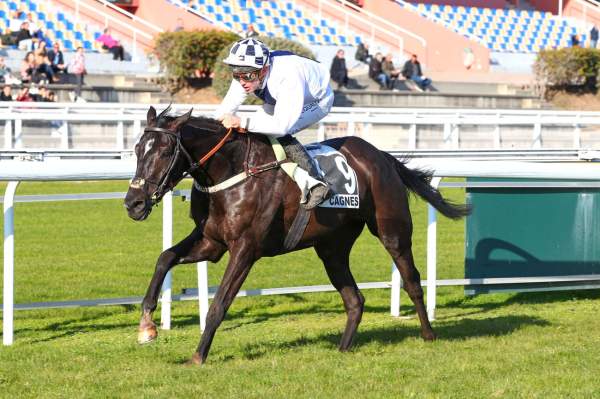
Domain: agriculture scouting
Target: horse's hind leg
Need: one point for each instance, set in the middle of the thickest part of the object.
(395, 235)
(335, 257)
(190, 249)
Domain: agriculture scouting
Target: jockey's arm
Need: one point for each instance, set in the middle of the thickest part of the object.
(289, 94)
(233, 99)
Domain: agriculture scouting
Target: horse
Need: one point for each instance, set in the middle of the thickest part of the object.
(251, 217)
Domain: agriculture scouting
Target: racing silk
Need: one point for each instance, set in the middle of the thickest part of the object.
(293, 86)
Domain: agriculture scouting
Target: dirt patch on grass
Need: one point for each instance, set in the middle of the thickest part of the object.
(576, 102)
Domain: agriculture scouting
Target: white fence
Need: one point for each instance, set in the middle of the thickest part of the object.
(588, 175)
(391, 128)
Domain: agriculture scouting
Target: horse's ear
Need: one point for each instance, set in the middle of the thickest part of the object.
(165, 111)
(151, 116)
(181, 120)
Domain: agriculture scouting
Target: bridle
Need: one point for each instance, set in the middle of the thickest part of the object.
(165, 184)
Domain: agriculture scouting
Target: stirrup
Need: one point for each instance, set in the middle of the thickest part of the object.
(318, 194)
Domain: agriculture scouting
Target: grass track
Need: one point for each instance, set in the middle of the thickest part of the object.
(502, 345)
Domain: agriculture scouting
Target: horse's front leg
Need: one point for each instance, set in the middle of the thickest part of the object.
(193, 248)
(242, 257)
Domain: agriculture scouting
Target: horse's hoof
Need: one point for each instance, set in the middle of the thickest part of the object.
(429, 336)
(147, 335)
(196, 360)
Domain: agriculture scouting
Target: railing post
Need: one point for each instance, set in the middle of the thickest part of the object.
(18, 143)
(537, 133)
(432, 255)
(120, 140)
(412, 134)
(395, 291)
(8, 136)
(321, 132)
(497, 142)
(202, 293)
(165, 310)
(351, 128)
(9, 264)
(577, 133)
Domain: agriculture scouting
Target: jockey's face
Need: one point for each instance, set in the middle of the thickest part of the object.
(251, 81)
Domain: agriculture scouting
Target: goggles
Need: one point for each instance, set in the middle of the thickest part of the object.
(247, 76)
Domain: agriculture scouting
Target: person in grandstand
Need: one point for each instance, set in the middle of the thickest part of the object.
(412, 70)
(296, 94)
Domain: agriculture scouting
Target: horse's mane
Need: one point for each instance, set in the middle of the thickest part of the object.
(203, 123)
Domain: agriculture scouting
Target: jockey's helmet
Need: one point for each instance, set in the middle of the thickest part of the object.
(247, 55)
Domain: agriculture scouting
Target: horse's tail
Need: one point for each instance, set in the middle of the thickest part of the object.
(418, 181)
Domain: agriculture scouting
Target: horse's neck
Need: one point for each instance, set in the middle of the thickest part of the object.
(232, 157)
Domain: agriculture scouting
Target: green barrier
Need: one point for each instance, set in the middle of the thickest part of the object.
(526, 232)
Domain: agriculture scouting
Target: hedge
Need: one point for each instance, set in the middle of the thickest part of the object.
(187, 54)
(567, 69)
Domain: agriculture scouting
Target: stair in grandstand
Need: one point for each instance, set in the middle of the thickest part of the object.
(505, 30)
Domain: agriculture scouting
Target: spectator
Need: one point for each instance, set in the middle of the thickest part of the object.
(77, 68)
(179, 25)
(56, 58)
(111, 44)
(24, 39)
(250, 32)
(338, 70)
(40, 48)
(593, 37)
(41, 95)
(6, 94)
(574, 40)
(468, 58)
(24, 95)
(376, 73)
(388, 68)
(34, 29)
(412, 70)
(14, 25)
(42, 67)
(27, 69)
(51, 96)
(362, 53)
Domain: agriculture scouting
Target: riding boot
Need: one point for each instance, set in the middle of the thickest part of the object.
(314, 189)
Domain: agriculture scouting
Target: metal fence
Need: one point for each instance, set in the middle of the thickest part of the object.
(117, 126)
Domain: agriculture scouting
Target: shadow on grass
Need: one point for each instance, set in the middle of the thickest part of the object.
(459, 330)
(524, 298)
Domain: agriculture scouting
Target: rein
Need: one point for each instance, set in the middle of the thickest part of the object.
(163, 185)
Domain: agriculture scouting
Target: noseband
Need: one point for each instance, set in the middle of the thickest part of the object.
(164, 184)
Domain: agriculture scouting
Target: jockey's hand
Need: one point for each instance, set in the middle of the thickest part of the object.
(231, 121)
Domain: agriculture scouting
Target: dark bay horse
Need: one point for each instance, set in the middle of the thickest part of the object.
(251, 218)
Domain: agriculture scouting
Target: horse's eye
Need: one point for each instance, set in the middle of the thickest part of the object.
(166, 154)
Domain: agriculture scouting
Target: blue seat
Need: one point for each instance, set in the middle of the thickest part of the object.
(87, 45)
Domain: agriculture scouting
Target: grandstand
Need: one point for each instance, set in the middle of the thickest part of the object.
(506, 30)
(275, 18)
(55, 24)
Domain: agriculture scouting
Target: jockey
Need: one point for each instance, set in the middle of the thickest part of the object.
(296, 94)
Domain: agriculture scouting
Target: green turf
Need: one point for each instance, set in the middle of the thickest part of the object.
(502, 345)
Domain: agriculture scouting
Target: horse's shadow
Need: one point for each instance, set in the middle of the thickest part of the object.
(458, 330)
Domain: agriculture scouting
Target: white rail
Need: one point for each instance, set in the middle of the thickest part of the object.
(345, 120)
(15, 171)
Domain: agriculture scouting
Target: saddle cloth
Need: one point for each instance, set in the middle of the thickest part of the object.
(340, 176)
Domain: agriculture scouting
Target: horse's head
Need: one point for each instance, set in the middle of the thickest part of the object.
(160, 164)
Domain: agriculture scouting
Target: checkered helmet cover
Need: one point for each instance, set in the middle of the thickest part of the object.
(249, 53)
